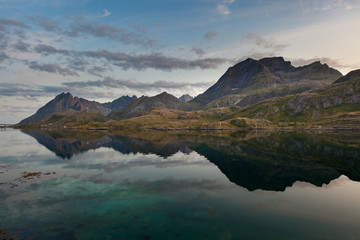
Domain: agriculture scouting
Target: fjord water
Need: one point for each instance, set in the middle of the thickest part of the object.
(174, 185)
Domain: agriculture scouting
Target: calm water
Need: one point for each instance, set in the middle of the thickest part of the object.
(158, 185)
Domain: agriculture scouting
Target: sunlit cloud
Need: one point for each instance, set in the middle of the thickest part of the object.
(328, 5)
(223, 7)
(336, 63)
(106, 13)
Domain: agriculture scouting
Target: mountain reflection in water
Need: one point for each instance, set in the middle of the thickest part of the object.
(253, 160)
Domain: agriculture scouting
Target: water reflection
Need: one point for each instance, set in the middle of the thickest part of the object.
(253, 160)
(175, 185)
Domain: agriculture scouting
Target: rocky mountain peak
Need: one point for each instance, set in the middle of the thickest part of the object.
(277, 64)
(64, 96)
(164, 96)
(185, 98)
(64, 102)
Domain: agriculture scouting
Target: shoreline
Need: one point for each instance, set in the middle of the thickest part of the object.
(286, 129)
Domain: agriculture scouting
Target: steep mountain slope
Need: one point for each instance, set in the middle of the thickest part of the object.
(351, 76)
(120, 103)
(144, 103)
(251, 81)
(337, 104)
(64, 102)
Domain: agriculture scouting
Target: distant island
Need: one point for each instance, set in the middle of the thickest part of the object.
(269, 93)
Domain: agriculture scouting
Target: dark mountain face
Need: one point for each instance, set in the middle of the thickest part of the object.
(119, 103)
(185, 98)
(251, 75)
(64, 102)
(277, 65)
(144, 103)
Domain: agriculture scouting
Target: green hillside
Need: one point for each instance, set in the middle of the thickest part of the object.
(336, 104)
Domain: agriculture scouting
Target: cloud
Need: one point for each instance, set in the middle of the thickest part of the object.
(266, 43)
(3, 57)
(209, 35)
(223, 9)
(20, 89)
(104, 88)
(47, 24)
(14, 109)
(82, 26)
(154, 61)
(138, 62)
(4, 39)
(106, 13)
(78, 64)
(4, 23)
(106, 31)
(6, 36)
(52, 68)
(320, 5)
(96, 71)
(33, 91)
(330, 61)
(47, 50)
(21, 46)
(199, 51)
(139, 28)
(116, 83)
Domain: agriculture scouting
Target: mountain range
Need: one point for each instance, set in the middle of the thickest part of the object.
(269, 88)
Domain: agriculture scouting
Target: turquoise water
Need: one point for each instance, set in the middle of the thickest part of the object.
(187, 186)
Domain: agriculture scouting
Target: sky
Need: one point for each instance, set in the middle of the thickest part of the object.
(102, 50)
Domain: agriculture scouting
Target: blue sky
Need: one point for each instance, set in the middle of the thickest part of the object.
(101, 50)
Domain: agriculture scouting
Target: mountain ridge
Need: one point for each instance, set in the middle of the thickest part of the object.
(253, 76)
(144, 103)
(119, 103)
(66, 101)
